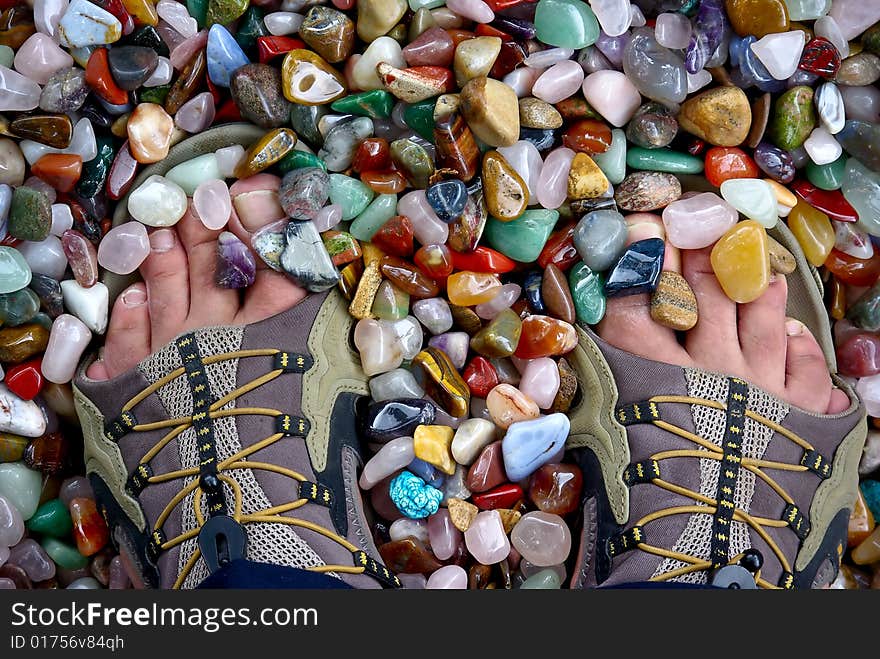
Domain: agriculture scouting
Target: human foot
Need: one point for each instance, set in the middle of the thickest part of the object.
(754, 341)
(178, 294)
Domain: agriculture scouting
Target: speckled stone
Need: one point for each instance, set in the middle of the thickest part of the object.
(647, 191)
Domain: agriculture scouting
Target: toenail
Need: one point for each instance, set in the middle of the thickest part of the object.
(134, 297)
(794, 327)
(162, 240)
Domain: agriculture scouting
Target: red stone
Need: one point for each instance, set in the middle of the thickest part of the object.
(859, 356)
(227, 113)
(458, 36)
(821, 57)
(696, 146)
(483, 259)
(503, 496)
(25, 380)
(122, 173)
(387, 182)
(498, 5)
(89, 529)
(724, 163)
(216, 94)
(373, 154)
(853, 271)
(511, 56)
(480, 376)
(60, 170)
(101, 81)
(484, 30)
(435, 261)
(49, 454)
(268, 48)
(487, 471)
(830, 202)
(395, 237)
(556, 488)
(559, 249)
(589, 136)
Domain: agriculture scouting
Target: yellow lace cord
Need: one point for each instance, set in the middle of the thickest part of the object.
(179, 425)
(712, 452)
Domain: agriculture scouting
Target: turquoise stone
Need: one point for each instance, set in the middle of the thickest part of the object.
(63, 554)
(663, 160)
(588, 294)
(420, 117)
(224, 55)
(349, 194)
(827, 177)
(376, 103)
(566, 23)
(19, 307)
(15, 273)
(413, 497)
(380, 210)
(6, 56)
(52, 518)
(543, 580)
(613, 161)
(297, 159)
(522, 239)
(190, 173)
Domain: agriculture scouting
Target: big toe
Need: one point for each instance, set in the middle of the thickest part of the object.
(807, 380)
(128, 335)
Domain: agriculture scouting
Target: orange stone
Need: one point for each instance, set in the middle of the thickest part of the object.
(101, 81)
(150, 129)
(60, 170)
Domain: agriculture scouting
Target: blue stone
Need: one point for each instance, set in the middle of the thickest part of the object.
(427, 472)
(871, 492)
(225, 56)
(638, 270)
(532, 287)
(413, 497)
(528, 445)
(448, 199)
(543, 139)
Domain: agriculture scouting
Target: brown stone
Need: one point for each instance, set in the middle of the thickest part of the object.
(567, 387)
(673, 303)
(722, 116)
(487, 471)
(23, 342)
(466, 319)
(535, 113)
(408, 555)
(781, 260)
(760, 117)
(507, 195)
(557, 294)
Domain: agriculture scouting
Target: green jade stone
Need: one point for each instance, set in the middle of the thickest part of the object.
(15, 273)
(52, 518)
(663, 160)
(827, 177)
(6, 56)
(12, 447)
(297, 159)
(19, 307)
(380, 210)
(793, 118)
(613, 161)
(63, 554)
(198, 9)
(224, 11)
(154, 94)
(374, 104)
(543, 580)
(351, 195)
(415, 5)
(588, 294)
(420, 117)
(521, 239)
(30, 216)
(95, 171)
(566, 23)
(250, 27)
(190, 173)
(390, 303)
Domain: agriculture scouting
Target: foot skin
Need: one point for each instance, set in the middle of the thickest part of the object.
(753, 341)
(178, 294)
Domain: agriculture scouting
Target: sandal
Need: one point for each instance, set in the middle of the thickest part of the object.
(235, 442)
(706, 479)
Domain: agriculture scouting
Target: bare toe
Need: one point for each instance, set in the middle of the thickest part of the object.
(128, 335)
(210, 305)
(628, 325)
(167, 281)
(762, 336)
(713, 342)
(807, 381)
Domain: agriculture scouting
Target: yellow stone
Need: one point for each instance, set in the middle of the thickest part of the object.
(741, 261)
(143, 10)
(474, 58)
(467, 288)
(308, 79)
(509, 518)
(722, 116)
(784, 196)
(362, 303)
(433, 445)
(813, 231)
(265, 152)
(585, 179)
(535, 113)
(461, 513)
(491, 109)
(377, 17)
(507, 195)
(446, 105)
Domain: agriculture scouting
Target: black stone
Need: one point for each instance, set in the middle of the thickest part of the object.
(149, 37)
(532, 288)
(390, 419)
(638, 270)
